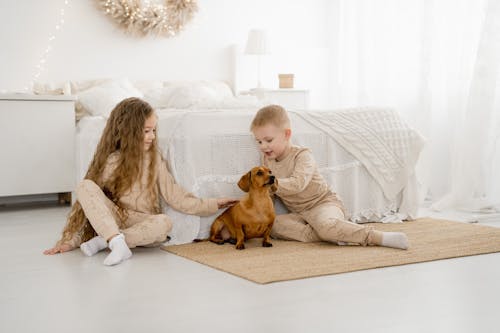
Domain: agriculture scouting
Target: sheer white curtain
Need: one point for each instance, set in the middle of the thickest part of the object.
(437, 63)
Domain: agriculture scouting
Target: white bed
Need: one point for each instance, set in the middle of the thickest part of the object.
(208, 149)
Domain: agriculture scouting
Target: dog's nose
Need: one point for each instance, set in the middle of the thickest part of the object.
(271, 179)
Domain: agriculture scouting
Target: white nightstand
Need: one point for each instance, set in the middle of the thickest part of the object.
(288, 98)
(37, 136)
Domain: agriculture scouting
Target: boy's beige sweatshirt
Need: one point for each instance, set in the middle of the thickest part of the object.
(300, 185)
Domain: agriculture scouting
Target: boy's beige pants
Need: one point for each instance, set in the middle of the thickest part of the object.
(140, 229)
(325, 222)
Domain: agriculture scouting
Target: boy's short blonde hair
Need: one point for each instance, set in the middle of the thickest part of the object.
(271, 114)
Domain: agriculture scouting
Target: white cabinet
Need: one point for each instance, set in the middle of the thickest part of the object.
(293, 99)
(37, 144)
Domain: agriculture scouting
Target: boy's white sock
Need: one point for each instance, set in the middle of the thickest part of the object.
(119, 251)
(396, 240)
(91, 247)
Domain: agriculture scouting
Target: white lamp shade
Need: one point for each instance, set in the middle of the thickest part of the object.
(257, 42)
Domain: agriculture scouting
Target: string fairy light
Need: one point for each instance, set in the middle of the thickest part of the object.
(145, 17)
(40, 67)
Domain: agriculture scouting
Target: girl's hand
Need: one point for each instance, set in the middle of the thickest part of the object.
(226, 202)
(59, 249)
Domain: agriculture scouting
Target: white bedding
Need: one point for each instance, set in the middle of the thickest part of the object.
(208, 150)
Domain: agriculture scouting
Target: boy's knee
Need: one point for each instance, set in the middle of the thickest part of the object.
(293, 230)
(279, 226)
(332, 230)
(310, 236)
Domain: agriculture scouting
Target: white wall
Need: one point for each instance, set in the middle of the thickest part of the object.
(90, 46)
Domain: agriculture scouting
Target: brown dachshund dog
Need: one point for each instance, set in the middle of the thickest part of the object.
(253, 216)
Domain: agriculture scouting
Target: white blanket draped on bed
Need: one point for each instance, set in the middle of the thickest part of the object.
(376, 137)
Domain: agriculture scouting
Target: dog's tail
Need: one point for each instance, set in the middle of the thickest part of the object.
(198, 240)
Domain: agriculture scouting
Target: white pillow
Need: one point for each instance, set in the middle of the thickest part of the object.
(78, 87)
(186, 95)
(157, 97)
(101, 99)
(145, 86)
(221, 89)
(182, 96)
(232, 102)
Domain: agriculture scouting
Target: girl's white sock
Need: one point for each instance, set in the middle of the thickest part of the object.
(396, 240)
(91, 247)
(119, 251)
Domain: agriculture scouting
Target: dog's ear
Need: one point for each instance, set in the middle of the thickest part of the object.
(274, 187)
(244, 182)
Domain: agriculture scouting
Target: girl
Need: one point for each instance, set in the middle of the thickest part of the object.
(118, 202)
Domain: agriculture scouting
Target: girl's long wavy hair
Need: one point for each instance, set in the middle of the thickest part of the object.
(124, 133)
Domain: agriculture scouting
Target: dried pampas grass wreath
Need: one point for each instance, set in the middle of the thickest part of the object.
(154, 17)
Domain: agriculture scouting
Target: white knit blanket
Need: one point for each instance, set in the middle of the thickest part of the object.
(379, 138)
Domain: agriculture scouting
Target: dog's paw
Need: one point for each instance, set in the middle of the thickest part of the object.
(267, 244)
(217, 241)
(240, 246)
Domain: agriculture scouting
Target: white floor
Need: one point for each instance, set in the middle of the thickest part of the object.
(156, 291)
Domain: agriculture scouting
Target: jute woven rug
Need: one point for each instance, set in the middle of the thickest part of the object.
(429, 239)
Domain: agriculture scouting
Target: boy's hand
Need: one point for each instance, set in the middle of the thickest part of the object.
(226, 202)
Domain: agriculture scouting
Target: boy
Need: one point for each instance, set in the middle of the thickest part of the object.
(316, 212)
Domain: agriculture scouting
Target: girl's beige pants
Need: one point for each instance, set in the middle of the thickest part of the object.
(139, 229)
